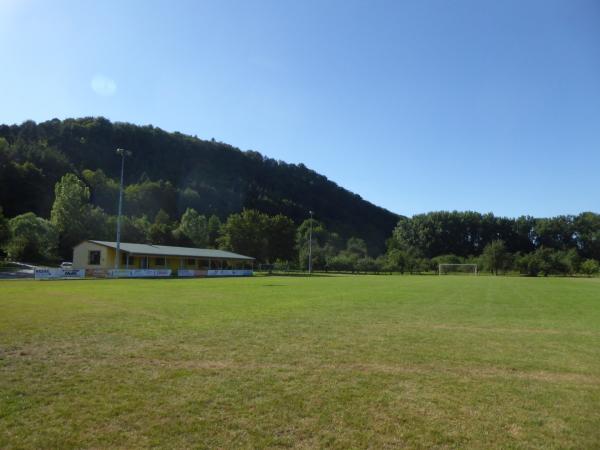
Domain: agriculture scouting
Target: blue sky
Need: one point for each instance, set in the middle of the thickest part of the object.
(415, 105)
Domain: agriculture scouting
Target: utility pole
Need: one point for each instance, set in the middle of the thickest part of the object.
(310, 244)
(123, 154)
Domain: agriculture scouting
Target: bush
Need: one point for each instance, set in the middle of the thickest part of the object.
(342, 263)
(367, 265)
(590, 267)
(33, 239)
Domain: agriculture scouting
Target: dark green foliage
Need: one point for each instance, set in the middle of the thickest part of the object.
(467, 233)
(547, 261)
(281, 234)
(367, 264)
(342, 262)
(32, 239)
(495, 257)
(590, 267)
(105, 191)
(70, 213)
(4, 229)
(193, 229)
(214, 228)
(587, 234)
(325, 244)
(172, 172)
(267, 238)
(161, 231)
(357, 247)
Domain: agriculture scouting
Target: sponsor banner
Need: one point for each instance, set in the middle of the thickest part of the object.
(58, 274)
(191, 273)
(73, 273)
(230, 273)
(96, 273)
(162, 272)
(139, 273)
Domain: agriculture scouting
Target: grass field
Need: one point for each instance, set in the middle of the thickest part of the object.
(339, 361)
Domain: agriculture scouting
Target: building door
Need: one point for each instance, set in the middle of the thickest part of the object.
(143, 262)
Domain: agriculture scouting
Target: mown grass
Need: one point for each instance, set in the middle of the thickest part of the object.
(340, 361)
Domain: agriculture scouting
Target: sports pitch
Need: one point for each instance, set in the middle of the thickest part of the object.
(331, 361)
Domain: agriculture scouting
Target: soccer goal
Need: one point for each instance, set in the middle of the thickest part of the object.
(468, 269)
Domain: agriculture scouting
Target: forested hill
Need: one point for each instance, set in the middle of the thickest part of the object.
(172, 171)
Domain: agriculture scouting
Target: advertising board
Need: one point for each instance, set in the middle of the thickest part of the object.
(191, 273)
(229, 273)
(139, 273)
(44, 273)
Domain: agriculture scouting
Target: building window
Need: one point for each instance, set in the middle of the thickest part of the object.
(190, 262)
(94, 257)
(159, 262)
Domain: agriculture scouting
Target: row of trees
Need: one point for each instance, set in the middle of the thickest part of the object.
(468, 233)
(496, 259)
(73, 218)
(562, 245)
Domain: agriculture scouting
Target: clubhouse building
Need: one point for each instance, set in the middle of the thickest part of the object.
(147, 260)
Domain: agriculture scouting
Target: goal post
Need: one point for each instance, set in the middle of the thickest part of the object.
(469, 269)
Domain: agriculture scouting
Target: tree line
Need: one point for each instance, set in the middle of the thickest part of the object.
(562, 245)
(73, 218)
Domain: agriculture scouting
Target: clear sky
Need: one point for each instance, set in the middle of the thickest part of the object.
(415, 105)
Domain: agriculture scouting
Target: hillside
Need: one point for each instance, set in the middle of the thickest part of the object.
(173, 171)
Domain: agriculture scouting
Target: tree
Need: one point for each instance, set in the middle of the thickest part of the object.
(495, 256)
(590, 267)
(245, 233)
(555, 262)
(4, 229)
(149, 197)
(195, 227)
(214, 229)
(555, 233)
(133, 229)
(529, 264)
(104, 191)
(70, 212)
(357, 247)
(281, 233)
(33, 239)
(160, 231)
(397, 260)
(587, 231)
(100, 225)
(341, 263)
(367, 264)
(324, 244)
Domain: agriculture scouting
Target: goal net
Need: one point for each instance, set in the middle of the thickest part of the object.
(467, 269)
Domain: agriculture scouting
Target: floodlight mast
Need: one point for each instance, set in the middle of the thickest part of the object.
(123, 154)
(310, 244)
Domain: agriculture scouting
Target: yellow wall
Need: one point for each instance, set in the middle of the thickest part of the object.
(81, 256)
